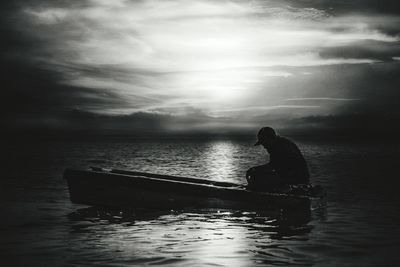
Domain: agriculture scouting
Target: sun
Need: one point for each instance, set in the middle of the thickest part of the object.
(217, 87)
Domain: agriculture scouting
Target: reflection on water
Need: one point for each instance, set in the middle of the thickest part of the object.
(219, 159)
(41, 227)
(197, 237)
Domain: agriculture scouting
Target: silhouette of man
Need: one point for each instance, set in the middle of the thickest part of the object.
(287, 165)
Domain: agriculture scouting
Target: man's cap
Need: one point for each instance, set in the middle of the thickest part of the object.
(264, 134)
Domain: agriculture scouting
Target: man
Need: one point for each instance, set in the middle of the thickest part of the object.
(287, 165)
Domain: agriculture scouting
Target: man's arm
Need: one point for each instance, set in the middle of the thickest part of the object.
(266, 167)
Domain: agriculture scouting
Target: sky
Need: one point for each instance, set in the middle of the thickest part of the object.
(200, 65)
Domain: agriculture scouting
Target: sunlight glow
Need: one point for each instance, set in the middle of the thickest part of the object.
(217, 86)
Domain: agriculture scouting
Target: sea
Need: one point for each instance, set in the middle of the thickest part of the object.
(356, 224)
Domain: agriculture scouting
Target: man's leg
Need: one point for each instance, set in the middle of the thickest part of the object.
(263, 178)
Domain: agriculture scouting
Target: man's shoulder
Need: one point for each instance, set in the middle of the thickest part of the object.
(284, 140)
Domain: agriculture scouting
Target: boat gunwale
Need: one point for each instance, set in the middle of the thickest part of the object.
(239, 188)
(175, 178)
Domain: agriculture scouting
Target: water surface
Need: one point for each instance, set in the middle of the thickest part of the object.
(357, 225)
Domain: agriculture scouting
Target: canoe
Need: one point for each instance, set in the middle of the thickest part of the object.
(121, 188)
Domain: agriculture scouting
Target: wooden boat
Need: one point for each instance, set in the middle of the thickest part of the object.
(120, 188)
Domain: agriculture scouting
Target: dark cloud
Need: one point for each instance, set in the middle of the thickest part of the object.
(78, 123)
(31, 89)
(375, 86)
(354, 6)
(382, 51)
(350, 126)
(141, 124)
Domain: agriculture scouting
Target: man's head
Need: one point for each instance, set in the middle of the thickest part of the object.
(265, 136)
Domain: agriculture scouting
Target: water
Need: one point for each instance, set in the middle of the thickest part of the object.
(357, 225)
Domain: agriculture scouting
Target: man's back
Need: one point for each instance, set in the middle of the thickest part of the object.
(288, 161)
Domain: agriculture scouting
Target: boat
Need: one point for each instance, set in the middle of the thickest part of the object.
(132, 189)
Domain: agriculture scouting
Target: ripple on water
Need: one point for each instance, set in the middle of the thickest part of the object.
(358, 224)
(186, 236)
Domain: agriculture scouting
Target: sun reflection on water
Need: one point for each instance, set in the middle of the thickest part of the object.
(181, 238)
(219, 160)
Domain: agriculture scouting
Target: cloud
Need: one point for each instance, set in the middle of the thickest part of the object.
(148, 125)
(245, 113)
(206, 57)
(208, 54)
(339, 7)
(322, 99)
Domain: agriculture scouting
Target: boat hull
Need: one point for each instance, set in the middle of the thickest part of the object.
(98, 188)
